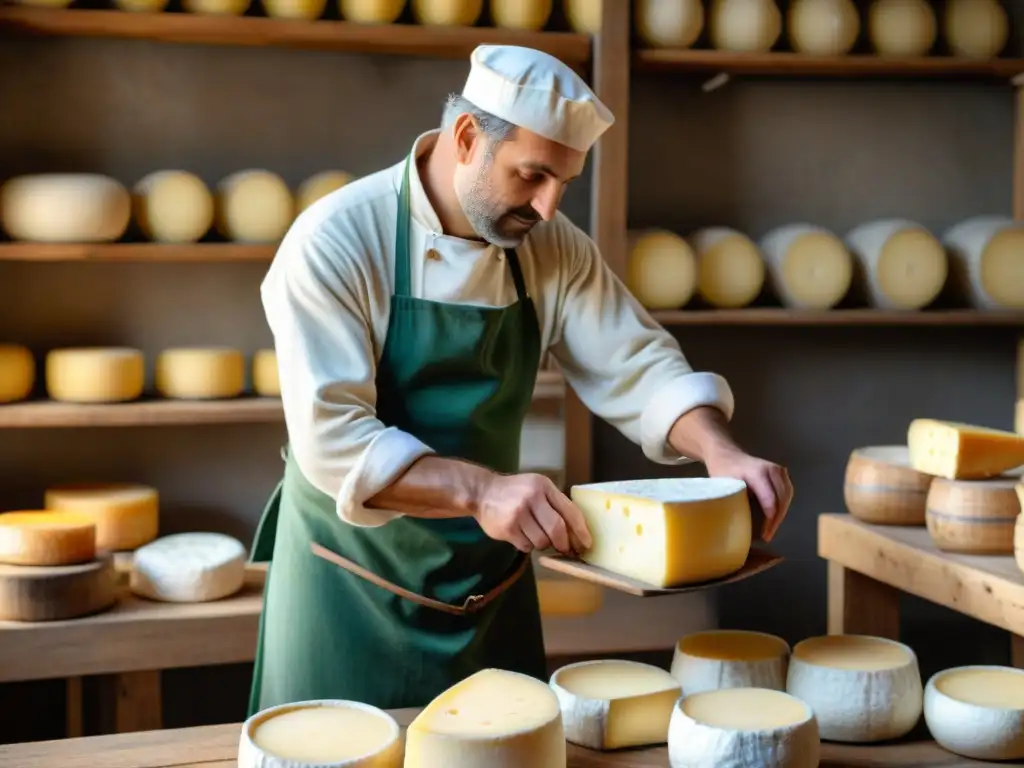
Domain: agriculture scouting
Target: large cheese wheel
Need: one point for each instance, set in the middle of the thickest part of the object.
(173, 207)
(265, 377)
(808, 266)
(985, 258)
(217, 7)
(521, 14)
(746, 26)
(568, 597)
(254, 206)
(662, 269)
(319, 185)
(667, 532)
(95, 374)
(976, 29)
(447, 13)
(584, 16)
(491, 719)
(371, 11)
(308, 10)
(189, 568)
(900, 264)
(823, 27)
(902, 27)
(730, 269)
(325, 734)
(730, 658)
(743, 727)
(46, 538)
(669, 23)
(126, 516)
(882, 488)
(862, 689)
(958, 451)
(612, 704)
(17, 372)
(200, 373)
(65, 208)
(977, 711)
(57, 593)
(973, 516)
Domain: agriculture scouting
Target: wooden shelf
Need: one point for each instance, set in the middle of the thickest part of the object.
(401, 39)
(129, 252)
(777, 316)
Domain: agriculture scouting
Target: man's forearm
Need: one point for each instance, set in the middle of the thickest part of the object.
(701, 432)
(436, 487)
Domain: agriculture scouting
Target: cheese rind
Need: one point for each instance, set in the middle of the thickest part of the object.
(882, 488)
(265, 377)
(977, 711)
(662, 269)
(984, 260)
(173, 207)
(958, 451)
(309, 10)
(17, 373)
(584, 16)
(808, 267)
(189, 568)
(65, 208)
(371, 11)
(973, 516)
(902, 27)
(447, 13)
(669, 23)
(319, 185)
(612, 704)
(976, 29)
(744, 26)
(95, 374)
(200, 373)
(46, 538)
(730, 658)
(667, 532)
(900, 264)
(521, 14)
(730, 268)
(253, 206)
(823, 27)
(126, 516)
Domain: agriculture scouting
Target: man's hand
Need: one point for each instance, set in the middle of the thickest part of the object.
(768, 482)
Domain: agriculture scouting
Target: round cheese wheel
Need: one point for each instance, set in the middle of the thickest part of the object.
(662, 269)
(95, 374)
(371, 11)
(254, 206)
(862, 689)
(310, 10)
(729, 265)
(173, 207)
(319, 185)
(46, 538)
(743, 727)
(65, 208)
(141, 6)
(447, 13)
(730, 658)
(199, 373)
(612, 704)
(56, 593)
(217, 7)
(808, 266)
(746, 26)
(521, 14)
(823, 27)
(977, 711)
(669, 23)
(126, 516)
(973, 516)
(568, 597)
(900, 264)
(984, 259)
(976, 29)
(902, 27)
(265, 377)
(17, 373)
(328, 733)
(882, 488)
(188, 568)
(584, 16)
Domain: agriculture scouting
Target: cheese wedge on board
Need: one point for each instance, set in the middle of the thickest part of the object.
(46, 538)
(200, 373)
(973, 516)
(126, 516)
(730, 658)
(189, 568)
(959, 451)
(17, 372)
(56, 593)
(882, 488)
(95, 374)
(977, 711)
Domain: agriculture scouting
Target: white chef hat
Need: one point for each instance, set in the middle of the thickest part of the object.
(536, 91)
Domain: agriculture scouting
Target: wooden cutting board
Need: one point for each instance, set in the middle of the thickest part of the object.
(51, 593)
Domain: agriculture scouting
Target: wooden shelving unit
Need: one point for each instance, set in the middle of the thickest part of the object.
(778, 316)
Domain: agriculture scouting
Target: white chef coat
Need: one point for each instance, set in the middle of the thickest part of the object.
(327, 300)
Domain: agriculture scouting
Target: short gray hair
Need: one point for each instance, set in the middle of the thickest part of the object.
(494, 128)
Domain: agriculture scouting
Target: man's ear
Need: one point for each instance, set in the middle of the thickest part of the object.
(467, 135)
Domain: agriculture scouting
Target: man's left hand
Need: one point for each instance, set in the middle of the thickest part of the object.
(768, 482)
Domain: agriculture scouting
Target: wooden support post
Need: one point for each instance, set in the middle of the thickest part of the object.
(859, 605)
(73, 725)
(1017, 651)
(131, 701)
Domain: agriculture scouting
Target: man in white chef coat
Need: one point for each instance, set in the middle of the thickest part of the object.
(410, 310)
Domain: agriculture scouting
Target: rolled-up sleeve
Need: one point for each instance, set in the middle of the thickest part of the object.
(321, 323)
(625, 367)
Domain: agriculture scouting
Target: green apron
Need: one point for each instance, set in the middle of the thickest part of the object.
(460, 378)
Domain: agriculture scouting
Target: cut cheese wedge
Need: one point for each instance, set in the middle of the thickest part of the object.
(744, 26)
(882, 488)
(959, 451)
(662, 269)
(900, 264)
(902, 27)
(46, 538)
(200, 373)
(521, 14)
(667, 532)
(985, 262)
(743, 727)
(808, 266)
(669, 23)
(862, 689)
(977, 711)
(823, 27)
(95, 375)
(371, 11)
(265, 377)
(976, 29)
(65, 208)
(126, 516)
(173, 207)
(320, 185)
(253, 206)
(730, 658)
(973, 516)
(568, 597)
(492, 719)
(729, 265)
(447, 13)
(611, 704)
(189, 568)
(17, 372)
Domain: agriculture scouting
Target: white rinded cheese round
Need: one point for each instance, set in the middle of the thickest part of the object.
(808, 266)
(900, 263)
(309, 10)
(568, 597)
(612, 704)
(17, 372)
(976, 29)
(662, 269)
(862, 689)
(521, 14)
(974, 517)
(882, 488)
(371, 11)
(126, 516)
(65, 208)
(200, 373)
(985, 257)
(669, 23)
(319, 185)
(730, 658)
(746, 26)
(173, 207)
(217, 7)
(743, 727)
(265, 379)
(254, 206)
(320, 734)
(447, 13)
(977, 711)
(823, 27)
(584, 16)
(45, 538)
(902, 27)
(95, 374)
(188, 568)
(729, 265)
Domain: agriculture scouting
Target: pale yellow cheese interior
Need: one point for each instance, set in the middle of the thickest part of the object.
(912, 268)
(961, 451)
(1002, 268)
(995, 688)
(326, 734)
(746, 709)
(613, 679)
(733, 645)
(852, 652)
(817, 270)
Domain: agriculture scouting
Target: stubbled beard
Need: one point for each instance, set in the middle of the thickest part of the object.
(487, 217)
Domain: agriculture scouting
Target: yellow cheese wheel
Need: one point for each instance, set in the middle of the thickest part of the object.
(17, 373)
(447, 13)
(200, 373)
(217, 7)
(730, 268)
(669, 23)
(309, 10)
(745, 26)
(902, 27)
(521, 14)
(141, 6)
(254, 206)
(173, 207)
(95, 374)
(319, 185)
(662, 269)
(371, 11)
(46, 538)
(823, 27)
(265, 374)
(584, 16)
(126, 516)
(973, 516)
(64, 208)
(984, 260)
(882, 488)
(900, 264)
(976, 29)
(808, 266)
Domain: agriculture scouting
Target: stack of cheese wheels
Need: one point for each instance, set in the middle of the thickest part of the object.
(744, 26)
(882, 488)
(584, 16)
(669, 23)
(65, 208)
(902, 27)
(17, 373)
(977, 711)
(521, 14)
(254, 206)
(958, 451)
(319, 185)
(667, 532)
(662, 269)
(265, 377)
(976, 29)
(200, 373)
(730, 658)
(729, 266)
(862, 689)
(973, 516)
(823, 27)
(126, 515)
(217, 7)
(308, 10)
(447, 13)
(320, 733)
(95, 374)
(371, 11)
(491, 718)
(612, 704)
(193, 567)
(984, 254)
(808, 266)
(1018, 530)
(900, 264)
(173, 207)
(743, 727)
(564, 598)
